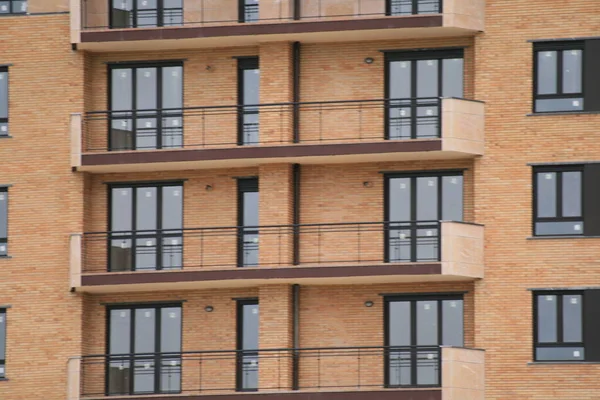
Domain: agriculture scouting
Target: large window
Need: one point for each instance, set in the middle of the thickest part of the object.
(559, 76)
(2, 342)
(146, 13)
(144, 346)
(415, 203)
(3, 222)
(415, 83)
(415, 328)
(146, 106)
(13, 7)
(559, 326)
(146, 222)
(3, 101)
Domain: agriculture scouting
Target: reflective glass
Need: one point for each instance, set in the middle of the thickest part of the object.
(452, 323)
(547, 318)
(547, 72)
(572, 318)
(546, 194)
(571, 194)
(572, 71)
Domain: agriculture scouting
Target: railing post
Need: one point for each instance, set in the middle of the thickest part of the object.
(76, 128)
(75, 260)
(74, 378)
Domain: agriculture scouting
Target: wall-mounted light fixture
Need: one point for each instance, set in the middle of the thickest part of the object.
(369, 60)
(209, 308)
(367, 184)
(369, 303)
(209, 188)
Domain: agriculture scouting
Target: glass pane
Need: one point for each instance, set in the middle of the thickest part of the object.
(452, 77)
(172, 207)
(547, 318)
(3, 94)
(427, 323)
(550, 105)
(121, 133)
(4, 7)
(427, 198)
(143, 379)
(428, 119)
(400, 204)
(120, 329)
(170, 375)
(400, 243)
(173, 13)
(250, 248)
(145, 254)
(452, 198)
(571, 194)
(2, 337)
(401, 7)
(250, 371)
(400, 79)
(147, 13)
(452, 323)
(399, 323)
(3, 129)
(251, 12)
(146, 131)
(118, 376)
(172, 252)
(19, 6)
(170, 330)
(120, 255)
(3, 214)
(250, 320)
(122, 15)
(427, 78)
(572, 71)
(250, 208)
(546, 194)
(146, 90)
(251, 86)
(546, 74)
(251, 127)
(428, 6)
(145, 328)
(172, 131)
(427, 243)
(400, 368)
(121, 89)
(572, 319)
(172, 87)
(428, 365)
(559, 228)
(559, 353)
(121, 209)
(146, 208)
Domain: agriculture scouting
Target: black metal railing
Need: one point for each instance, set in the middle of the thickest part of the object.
(263, 124)
(210, 13)
(253, 246)
(214, 372)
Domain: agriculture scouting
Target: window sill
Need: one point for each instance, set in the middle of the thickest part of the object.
(5, 257)
(561, 362)
(5, 137)
(3, 379)
(562, 237)
(541, 114)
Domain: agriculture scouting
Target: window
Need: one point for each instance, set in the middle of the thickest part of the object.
(248, 237)
(559, 326)
(558, 76)
(558, 206)
(2, 343)
(146, 13)
(415, 328)
(144, 346)
(146, 106)
(146, 223)
(247, 343)
(415, 81)
(249, 11)
(248, 98)
(411, 7)
(3, 101)
(415, 203)
(3, 222)
(13, 7)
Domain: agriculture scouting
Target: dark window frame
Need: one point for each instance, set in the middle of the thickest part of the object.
(386, 204)
(413, 56)
(239, 345)
(11, 10)
(558, 170)
(559, 47)
(133, 237)
(244, 185)
(160, 15)
(4, 240)
(4, 70)
(415, 8)
(559, 322)
(3, 314)
(134, 66)
(243, 64)
(157, 342)
(413, 299)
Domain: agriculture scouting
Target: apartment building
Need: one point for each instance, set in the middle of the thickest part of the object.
(299, 199)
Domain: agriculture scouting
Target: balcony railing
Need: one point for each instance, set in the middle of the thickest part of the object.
(98, 14)
(284, 124)
(457, 245)
(304, 369)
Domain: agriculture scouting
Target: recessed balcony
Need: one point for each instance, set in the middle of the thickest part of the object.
(344, 253)
(344, 373)
(304, 133)
(110, 25)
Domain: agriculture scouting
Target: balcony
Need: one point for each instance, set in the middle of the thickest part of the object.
(345, 253)
(222, 23)
(304, 133)
(348, 373)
